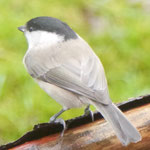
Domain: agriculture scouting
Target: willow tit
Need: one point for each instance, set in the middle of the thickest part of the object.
(66, 67)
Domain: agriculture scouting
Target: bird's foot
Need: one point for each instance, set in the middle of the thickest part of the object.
(60, 121)
(54, 119)
(87, 111)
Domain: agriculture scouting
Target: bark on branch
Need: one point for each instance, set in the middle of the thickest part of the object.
(82, 134)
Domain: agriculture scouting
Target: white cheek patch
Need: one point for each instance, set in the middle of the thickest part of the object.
(42, 38)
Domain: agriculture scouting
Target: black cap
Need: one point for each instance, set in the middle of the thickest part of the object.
(50, 24)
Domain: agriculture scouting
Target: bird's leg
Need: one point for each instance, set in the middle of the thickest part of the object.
(88, 111)
(61, 121)
(53, 118)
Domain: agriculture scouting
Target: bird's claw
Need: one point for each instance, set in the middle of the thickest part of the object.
(88, 111)
(61, 121)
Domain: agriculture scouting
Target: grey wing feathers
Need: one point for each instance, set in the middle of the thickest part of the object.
(68, 79)
(77, 70)
(93, 74)
(63, 78)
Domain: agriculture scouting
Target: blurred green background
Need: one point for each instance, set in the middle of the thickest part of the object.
(118, 32)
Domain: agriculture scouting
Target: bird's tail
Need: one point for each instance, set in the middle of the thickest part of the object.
(124, 130)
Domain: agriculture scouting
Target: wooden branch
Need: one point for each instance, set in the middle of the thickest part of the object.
(82, 134)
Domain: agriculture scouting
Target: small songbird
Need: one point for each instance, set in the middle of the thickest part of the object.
(68, 70)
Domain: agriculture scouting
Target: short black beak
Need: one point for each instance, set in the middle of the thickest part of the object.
(22, 28)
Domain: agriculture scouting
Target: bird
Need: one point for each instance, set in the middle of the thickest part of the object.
(67, 69)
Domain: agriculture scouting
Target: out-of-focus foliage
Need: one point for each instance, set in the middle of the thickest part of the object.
(118, 32)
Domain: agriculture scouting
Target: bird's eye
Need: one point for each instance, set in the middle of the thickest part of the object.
(31, 29)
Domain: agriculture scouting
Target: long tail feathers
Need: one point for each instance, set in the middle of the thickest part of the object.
(124, 130)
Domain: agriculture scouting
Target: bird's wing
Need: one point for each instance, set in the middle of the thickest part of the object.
(84, 76)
